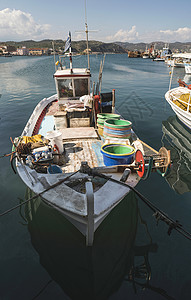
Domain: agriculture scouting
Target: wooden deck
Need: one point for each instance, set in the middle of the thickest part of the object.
(76, 151)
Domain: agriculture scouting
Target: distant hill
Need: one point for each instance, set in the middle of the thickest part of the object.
(77, 46)
(158, 45)
(96, 46)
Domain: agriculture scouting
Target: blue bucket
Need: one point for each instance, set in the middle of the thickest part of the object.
(117, 154)
(54, 169)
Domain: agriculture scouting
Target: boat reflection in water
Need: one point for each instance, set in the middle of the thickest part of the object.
(178, 138)
(88, 272)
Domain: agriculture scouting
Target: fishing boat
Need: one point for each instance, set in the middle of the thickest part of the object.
(159, 58)
(179, 100)
(187, 66)
(78, 154)
(178, 60)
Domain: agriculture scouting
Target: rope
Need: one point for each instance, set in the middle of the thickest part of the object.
(6, 155)
(42, 290)
(158, 214)
(37, 195)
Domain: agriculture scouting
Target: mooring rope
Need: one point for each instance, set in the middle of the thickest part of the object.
(7, 154)
(37, 195)
(158, 214)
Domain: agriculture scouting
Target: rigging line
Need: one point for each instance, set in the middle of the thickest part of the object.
(37, 195)
(160, 214)
(44, 287)
(145, 224)
(160, 291)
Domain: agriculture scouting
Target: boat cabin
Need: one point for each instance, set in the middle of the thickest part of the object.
(72, 84)
(74, 100)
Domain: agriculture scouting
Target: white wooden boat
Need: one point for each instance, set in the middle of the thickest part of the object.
(179, 100)
(58, 154)
(187, 66)
(159, 59)
(179, 60)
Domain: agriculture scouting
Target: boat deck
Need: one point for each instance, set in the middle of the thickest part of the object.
(77, 151)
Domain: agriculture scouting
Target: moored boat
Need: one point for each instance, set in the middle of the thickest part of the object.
(187, 66)
(59, 157)
(179, 100)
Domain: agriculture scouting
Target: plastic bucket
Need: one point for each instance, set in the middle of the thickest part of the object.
(117, 154)
(104, 116)
(120, 129)
(55, 138)
(54, 169)
(100, 129)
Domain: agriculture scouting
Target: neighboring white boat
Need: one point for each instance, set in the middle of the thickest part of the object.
(179, 60)
(159, 59)
(179, 99)
(75, 169)
(187, 66)
(165, 52)
(145, 55)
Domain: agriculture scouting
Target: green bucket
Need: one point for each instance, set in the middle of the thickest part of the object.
(102, 117)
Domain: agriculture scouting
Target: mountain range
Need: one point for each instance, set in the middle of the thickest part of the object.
(96, 46)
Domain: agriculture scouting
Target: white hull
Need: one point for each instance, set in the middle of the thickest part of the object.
(71, 203)
(184, 116)
(187, 68)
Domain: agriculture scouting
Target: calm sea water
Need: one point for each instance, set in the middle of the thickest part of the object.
(41, 255)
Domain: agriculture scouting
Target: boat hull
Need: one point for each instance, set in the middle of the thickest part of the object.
(184, 116)
(87, 273)
(71, 203)
(187, 68)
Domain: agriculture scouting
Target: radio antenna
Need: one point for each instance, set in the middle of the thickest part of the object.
(86, 31)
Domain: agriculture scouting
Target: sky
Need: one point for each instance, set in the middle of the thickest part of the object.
(110, 21)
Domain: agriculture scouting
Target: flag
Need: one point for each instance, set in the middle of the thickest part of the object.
(68, 42)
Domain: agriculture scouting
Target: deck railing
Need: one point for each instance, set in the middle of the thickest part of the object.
(186, 104)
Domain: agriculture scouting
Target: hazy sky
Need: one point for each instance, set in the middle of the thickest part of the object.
(119, 20)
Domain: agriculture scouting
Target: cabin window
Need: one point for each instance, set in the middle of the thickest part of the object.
(65, 88)
(81, 87)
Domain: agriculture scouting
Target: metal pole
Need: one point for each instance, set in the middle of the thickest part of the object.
(171, 76)
(70, 55)
(90, 213)
(113, 101)
(54, 55)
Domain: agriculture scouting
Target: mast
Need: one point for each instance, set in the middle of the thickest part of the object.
(86, 31)
(70, 55)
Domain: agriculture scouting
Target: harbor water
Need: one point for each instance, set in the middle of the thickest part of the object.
(42, 256)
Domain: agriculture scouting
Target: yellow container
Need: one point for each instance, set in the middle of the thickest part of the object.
(100, 129)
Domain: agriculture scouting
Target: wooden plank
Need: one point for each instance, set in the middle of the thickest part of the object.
(78, 133)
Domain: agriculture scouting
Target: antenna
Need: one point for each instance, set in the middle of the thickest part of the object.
(86, 31)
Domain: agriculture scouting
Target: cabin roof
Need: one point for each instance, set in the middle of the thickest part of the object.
(76, 72)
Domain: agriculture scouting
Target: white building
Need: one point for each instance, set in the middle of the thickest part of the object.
(22, 51)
